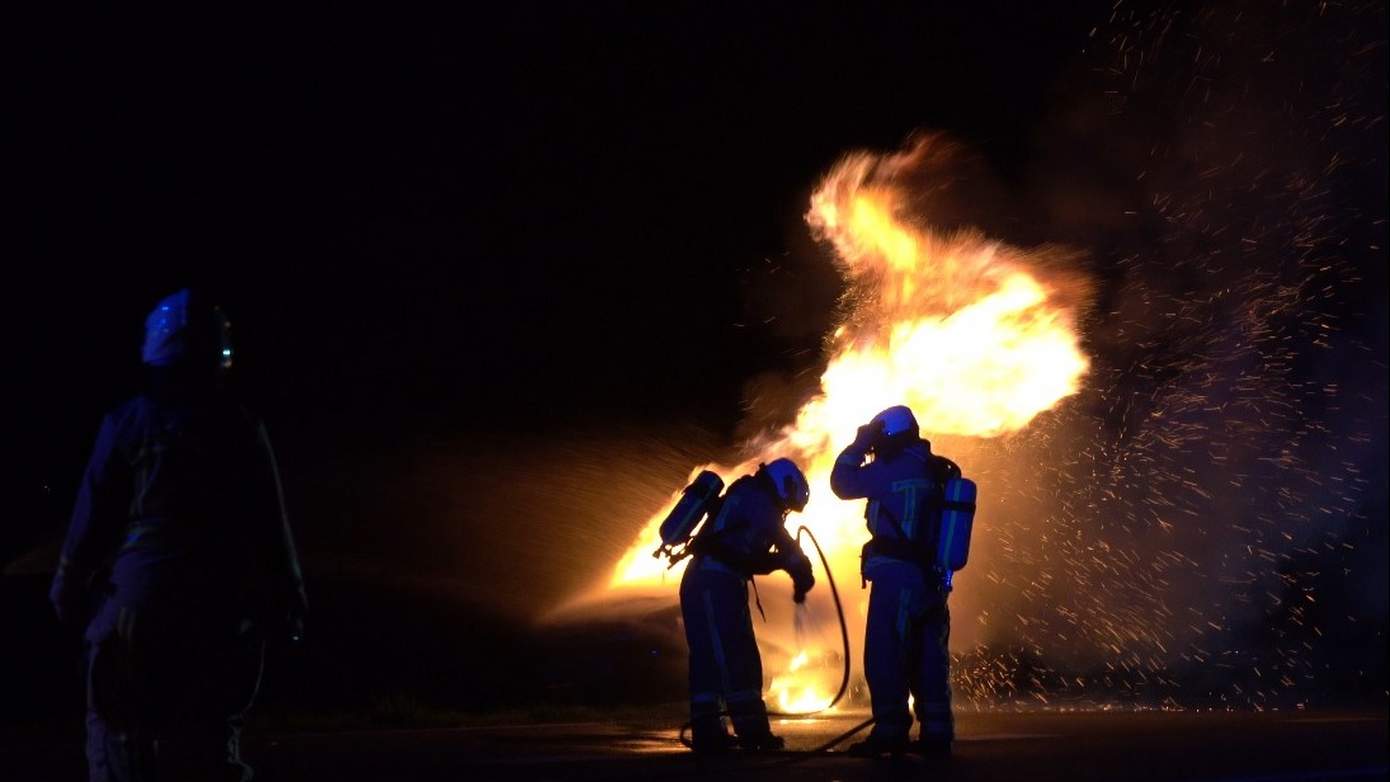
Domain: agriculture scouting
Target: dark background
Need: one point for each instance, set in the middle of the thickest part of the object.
(480, 257)
(492, 226)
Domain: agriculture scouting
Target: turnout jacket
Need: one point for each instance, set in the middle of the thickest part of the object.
(181, 506)
(904, 491)
(747, 534)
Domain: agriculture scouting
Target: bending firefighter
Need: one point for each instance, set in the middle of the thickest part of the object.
(743, 537)
(919, 514)
(179, 562)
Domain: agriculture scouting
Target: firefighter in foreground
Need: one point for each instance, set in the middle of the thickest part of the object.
(743, 537)
(179, 561)
(917, 502)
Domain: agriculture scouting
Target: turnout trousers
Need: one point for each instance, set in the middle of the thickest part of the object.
(906, 651)
(166, 696)
(725, 667)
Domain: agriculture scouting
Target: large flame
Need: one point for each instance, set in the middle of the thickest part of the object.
(964, 330)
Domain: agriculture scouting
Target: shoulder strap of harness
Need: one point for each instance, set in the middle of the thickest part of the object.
(938, 470)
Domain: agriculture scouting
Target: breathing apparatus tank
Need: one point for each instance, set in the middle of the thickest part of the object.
(957, 517)
(696, 501)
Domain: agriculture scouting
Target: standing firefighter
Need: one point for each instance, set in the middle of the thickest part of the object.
(744, 536)
(179, 560)
(909, 560)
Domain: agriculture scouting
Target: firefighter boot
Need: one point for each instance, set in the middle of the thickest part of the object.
(876, 745)
(932, 747)
(708, 737)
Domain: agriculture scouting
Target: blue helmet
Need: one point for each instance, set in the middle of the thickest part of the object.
(790, 482)
(166, 330)
(181, 328)
(896, 421)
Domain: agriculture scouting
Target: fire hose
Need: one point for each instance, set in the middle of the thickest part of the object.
(844, 679)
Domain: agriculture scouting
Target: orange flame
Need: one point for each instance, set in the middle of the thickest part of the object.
(794, 692)
(966, 331)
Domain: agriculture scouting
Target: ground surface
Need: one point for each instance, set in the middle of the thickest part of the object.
(1283, 747)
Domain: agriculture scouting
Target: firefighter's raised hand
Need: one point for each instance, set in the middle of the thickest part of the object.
(868, 435)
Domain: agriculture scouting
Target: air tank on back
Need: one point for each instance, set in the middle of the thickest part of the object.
(957, 518)
(696, 500)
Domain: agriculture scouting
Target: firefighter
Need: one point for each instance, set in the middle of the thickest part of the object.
(744, 537)
(179, 561)
(908, 628)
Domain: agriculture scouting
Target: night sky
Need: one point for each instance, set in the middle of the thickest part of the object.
(555, 250)
(496, 222)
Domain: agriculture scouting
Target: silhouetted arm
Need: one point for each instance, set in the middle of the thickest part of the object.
(289, 601)
(98, 516)
(851, 478)
(792, 559)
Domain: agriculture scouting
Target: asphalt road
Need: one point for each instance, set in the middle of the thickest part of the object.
(1075, 746)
